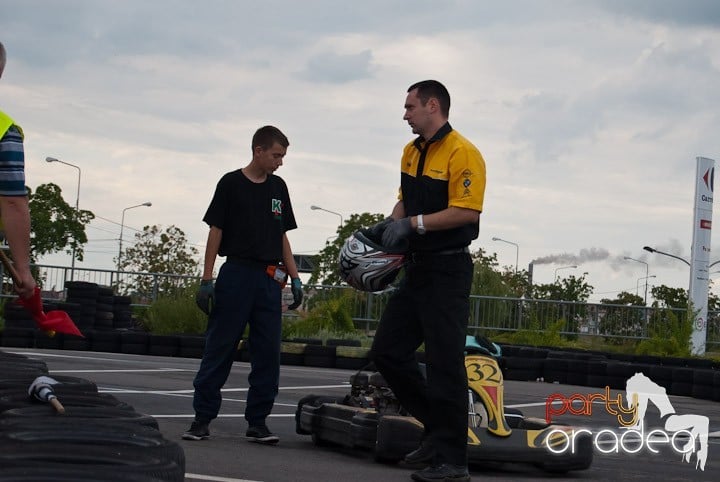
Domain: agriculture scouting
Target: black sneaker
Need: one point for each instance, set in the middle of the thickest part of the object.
(261, 434)
(198, 431)
(442, 473)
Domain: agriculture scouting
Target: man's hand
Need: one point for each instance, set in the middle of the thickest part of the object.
(205, 297)
(297, 292)
(376, 230)
(26, 288)
(396, 232)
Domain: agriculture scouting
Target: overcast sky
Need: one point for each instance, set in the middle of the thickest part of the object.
(589, 115)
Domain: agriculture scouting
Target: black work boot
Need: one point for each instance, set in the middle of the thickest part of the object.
(443, 473)
(422, 455)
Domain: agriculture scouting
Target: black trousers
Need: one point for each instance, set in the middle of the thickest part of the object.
(431, 306)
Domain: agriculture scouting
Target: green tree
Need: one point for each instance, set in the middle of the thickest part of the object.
(54, 224)
(618, 321)
(157, 251)
(669, 297)
(326, 271)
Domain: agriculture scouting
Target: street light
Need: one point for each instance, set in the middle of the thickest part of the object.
(647, 269)
(517, 250)
(318, 208)
(653, 250)
(563, 267)
(637, 285)
(77, 208)
(122, 225)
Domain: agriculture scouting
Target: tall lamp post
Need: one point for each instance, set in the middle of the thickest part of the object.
(318, 208)
(647, 269)
(637, 285)
(517, 250)
(122, 225)
(563, 267)
(77, 208)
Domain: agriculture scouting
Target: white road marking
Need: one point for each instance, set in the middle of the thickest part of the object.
(215, 479)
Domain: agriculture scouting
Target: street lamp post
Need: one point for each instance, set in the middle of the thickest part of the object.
(318, 208)
(122, 225)
(647, 269)
(77, 208)
(563, 267)
(637, 285)
(517, 250)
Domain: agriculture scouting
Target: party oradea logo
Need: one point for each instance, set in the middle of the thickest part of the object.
(685, 434)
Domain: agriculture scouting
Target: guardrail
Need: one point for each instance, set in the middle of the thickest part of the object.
(486, 312)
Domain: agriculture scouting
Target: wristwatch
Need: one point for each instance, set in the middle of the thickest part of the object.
(420, 224)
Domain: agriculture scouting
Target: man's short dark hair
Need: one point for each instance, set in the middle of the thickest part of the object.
(267, 136)
(427, 89)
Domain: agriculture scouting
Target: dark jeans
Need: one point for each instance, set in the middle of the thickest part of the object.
(430, 306)
(243, 294)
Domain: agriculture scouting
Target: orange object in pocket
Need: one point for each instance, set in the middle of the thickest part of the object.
(278, 274)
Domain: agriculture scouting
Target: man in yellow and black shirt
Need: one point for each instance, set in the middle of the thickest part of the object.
(438, 212)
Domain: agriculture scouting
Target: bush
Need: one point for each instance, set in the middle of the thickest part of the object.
(669, 335)
(175, 314)
(330, 315)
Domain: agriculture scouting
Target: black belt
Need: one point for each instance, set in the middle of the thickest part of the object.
(418, 255)
(253, 263)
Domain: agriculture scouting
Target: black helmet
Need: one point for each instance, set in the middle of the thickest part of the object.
(366, 265)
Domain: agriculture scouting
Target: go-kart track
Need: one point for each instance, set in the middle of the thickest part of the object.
(162, 387)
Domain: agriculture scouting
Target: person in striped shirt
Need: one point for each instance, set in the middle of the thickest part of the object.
(14, 210)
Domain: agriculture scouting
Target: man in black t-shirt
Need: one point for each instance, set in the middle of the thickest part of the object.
(248, 217)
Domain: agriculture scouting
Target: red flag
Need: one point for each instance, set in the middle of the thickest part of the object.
(53, 321)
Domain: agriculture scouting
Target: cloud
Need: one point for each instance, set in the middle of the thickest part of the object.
(688, 12)
(336, 68)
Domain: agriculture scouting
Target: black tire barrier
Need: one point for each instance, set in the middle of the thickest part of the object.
(134, 342)
(319, 356)
(18, 337)
(192, 346)
(66, 383)
(142, 438)
(19, 398)
(118, 460)
(105, 341)
(69, 474)
(82, 415)
(164, 345)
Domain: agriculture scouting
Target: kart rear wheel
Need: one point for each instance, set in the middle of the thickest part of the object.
(397, 436)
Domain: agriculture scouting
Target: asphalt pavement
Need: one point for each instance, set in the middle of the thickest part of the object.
(162, 387)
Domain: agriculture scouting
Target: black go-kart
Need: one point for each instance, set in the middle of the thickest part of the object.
(370, 417)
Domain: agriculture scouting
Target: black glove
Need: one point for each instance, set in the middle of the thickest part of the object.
(397, 232)
(297, 292)
(376, 230)
(205, 297)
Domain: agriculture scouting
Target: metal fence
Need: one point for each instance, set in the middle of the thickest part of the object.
(487, 313)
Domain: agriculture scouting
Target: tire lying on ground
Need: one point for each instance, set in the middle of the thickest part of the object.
(100, 461)
(131, 439)
(66, 384)
(69, 474)
(46, 414)
(10, 399)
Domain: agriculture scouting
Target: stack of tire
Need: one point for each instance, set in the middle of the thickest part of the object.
(104, 309)
(98, 438)
(19, 326)
(122, 312)
(84, 294)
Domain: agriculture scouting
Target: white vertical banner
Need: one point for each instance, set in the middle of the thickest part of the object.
(700, 254)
